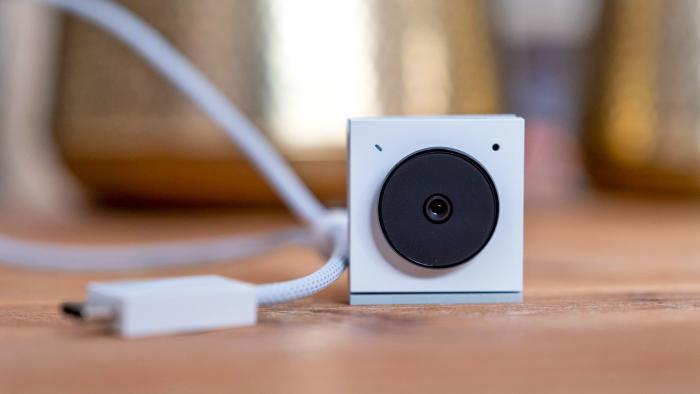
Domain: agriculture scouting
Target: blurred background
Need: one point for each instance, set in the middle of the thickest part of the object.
(610, 91)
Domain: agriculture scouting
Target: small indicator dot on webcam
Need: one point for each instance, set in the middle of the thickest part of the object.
(496, 147)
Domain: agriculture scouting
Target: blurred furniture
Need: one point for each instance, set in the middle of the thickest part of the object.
(612, 304)
(30, 168)
(642, 130)
(299, 70)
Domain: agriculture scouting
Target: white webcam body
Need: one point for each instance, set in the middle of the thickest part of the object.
(381, 273)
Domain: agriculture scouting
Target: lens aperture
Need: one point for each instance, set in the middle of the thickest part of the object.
(437, 208)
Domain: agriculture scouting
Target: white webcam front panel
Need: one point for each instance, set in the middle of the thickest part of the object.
(376, 145)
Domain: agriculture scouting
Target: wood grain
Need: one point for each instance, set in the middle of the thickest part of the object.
(612, 303)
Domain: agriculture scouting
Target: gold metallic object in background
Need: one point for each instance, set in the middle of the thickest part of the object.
(642, 130)
(298, 69)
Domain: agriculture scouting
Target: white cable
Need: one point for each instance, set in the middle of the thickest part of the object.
(274, 293)
(146, 41)
(181, 73)
(37, 255)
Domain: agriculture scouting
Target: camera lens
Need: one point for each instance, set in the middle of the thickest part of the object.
(437, 208)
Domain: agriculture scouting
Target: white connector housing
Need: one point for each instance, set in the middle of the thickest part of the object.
(168, 306)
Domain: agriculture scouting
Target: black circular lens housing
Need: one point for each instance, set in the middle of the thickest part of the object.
(438, 208)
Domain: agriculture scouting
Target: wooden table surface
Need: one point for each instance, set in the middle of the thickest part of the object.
(612, 303)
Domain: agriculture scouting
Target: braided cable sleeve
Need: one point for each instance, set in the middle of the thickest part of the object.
(275, 293)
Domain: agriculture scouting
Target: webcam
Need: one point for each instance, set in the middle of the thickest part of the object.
(435, 214)
(436, 209)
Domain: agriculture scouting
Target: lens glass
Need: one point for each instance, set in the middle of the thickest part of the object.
(437, 208)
